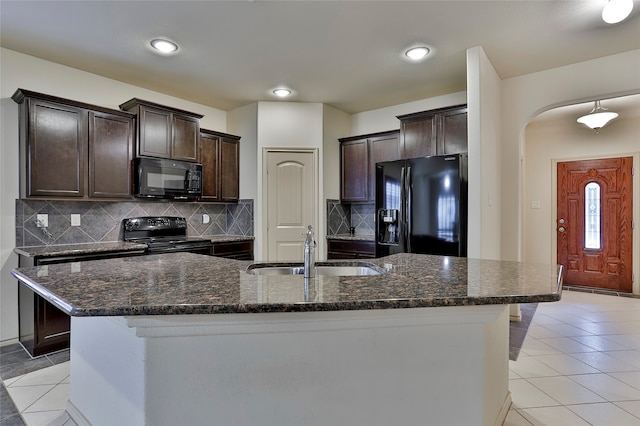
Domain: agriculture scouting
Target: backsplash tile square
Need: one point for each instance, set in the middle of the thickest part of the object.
(338, 218)
(100, 221)
(341, 217)
(363, 218)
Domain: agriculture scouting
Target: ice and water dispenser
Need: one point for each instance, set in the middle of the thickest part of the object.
(388, 226)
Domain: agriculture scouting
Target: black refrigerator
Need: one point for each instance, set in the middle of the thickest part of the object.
(421, 206)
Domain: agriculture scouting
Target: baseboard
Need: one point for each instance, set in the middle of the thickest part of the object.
(77, 415)
(504, 411)
(9, 342)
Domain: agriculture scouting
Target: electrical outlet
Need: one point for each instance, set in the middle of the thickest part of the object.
(75, 220)
(42, 220)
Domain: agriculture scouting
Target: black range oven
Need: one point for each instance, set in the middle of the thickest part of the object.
(164, 234)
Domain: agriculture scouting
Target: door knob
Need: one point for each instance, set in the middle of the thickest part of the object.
(561, 229)
(561, 221)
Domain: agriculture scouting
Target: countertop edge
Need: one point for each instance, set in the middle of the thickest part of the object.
(349, 237)
(106, 247)
(203, 309)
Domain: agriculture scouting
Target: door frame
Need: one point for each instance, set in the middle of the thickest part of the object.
(635, 206)
(319, 231)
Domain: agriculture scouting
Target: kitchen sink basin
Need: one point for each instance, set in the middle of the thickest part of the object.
(321, 269)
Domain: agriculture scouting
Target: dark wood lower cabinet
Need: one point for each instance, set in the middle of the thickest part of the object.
(239, 250)
(43, 328)
(351, 249)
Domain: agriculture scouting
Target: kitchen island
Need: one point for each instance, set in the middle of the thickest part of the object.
(189, 339)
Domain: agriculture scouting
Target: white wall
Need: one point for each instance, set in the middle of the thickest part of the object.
(526, 96)
(30, 73)
(9, 189)
(484, 119)
(287, 125)
(383, 119)
(243, 122)
(337, 124)
(546, 143)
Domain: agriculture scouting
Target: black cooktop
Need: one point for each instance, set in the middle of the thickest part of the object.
(159, 231)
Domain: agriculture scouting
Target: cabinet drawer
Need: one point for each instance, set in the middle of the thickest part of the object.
(341, 249)
(241, 250)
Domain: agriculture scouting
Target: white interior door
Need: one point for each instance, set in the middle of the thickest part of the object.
(291, 202)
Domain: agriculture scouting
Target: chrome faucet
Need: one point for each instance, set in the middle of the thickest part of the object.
(309, 254)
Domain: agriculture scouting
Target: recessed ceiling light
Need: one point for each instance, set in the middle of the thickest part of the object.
(417, 53)
(282, 93)
(164, 46)
(616, 11)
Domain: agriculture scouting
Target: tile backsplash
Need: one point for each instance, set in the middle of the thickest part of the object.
(100, 221)
(340, 217)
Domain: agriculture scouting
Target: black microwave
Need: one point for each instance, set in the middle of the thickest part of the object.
(162, 178)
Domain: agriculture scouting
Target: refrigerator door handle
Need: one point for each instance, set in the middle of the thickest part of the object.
(403, 213)
(407, 209)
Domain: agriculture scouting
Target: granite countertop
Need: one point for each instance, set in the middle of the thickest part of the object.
(230, 238)
(78, 249)
(187, 283)
(355, 237)
(113, 246)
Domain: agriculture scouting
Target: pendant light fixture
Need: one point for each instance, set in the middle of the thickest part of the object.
(597, 118)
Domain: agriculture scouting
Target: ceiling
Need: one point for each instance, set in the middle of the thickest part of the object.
(347, 54)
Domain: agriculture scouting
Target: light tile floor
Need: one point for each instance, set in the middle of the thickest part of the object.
(579, 365)
(41, 396)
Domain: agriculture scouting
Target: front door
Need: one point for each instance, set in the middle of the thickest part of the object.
(594, 224)
(291, 203)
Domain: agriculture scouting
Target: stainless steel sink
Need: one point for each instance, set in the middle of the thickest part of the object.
(321, 269)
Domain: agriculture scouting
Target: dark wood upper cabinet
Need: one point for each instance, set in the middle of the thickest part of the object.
(56, 141)
(354, 182)
(73, 149)
(229, 168)
(165, 132)
(210, 156)
(220, 157)
(110, 155)
(186, 136)
(381, 148)
(452, 133)
(154, 132)
(418, 136)
(436, 132)
(358, 158)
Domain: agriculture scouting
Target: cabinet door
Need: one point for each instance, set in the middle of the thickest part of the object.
(56, 143)
(185, 138)
(110, 155)
(418, 137)
(452, 134)
(209, 155)
(383, 148)
(354, 181)
(154, 132)
(229, 169)
(53, 328)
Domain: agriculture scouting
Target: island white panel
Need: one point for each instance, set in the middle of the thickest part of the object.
(445, 366)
